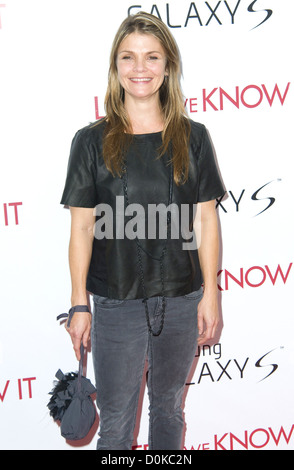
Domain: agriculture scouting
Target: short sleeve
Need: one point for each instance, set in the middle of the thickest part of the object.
(210, 183)
(80, 187)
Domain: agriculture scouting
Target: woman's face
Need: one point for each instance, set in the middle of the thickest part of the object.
(141, 66)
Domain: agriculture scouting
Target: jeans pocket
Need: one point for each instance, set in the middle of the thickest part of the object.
(106, 302)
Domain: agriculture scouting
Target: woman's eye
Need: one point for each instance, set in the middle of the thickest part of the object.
(153, 58)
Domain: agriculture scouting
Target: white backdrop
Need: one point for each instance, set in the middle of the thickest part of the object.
(238, 81)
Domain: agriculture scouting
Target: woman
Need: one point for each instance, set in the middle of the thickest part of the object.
(148, 299)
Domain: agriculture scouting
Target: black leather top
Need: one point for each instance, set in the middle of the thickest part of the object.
(113, 270)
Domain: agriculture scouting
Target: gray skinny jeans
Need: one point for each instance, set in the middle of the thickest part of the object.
(120, 344)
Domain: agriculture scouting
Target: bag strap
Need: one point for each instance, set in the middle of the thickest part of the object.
(72, 310)
(69, 315)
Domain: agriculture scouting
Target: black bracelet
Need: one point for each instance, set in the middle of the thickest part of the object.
(72, 310)
(79, 308)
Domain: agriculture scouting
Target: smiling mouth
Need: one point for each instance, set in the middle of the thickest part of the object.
(140, 80)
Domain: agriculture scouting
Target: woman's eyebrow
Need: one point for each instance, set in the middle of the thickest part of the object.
(132, 52)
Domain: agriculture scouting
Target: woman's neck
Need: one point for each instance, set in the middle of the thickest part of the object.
(145, 117)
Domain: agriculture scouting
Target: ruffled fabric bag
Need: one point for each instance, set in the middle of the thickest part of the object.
(71, 403)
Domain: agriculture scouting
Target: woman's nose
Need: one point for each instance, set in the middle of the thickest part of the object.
(139, 64)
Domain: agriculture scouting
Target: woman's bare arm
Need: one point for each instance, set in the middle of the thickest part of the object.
(208, 316)
(80, 252)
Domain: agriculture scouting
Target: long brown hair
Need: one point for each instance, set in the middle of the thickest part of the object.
(118, 128)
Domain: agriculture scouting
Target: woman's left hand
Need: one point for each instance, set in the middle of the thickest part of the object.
(208, 318)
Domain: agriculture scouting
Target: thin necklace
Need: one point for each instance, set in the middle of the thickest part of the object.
(160, 259)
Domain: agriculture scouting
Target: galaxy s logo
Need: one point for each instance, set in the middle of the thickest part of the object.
(252, 9)
(235, 202)
(199, 13)
(233, 369)
(263, 362)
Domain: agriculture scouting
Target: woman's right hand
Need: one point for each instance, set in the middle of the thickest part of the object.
(79, 331)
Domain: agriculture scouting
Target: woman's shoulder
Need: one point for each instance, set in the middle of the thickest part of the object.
(92, 132)
(198, 131)
(197, 128)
